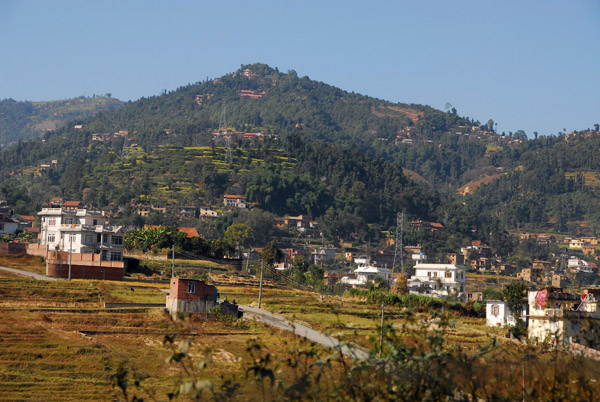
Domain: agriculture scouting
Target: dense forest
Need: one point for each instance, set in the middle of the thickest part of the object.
(336, 155)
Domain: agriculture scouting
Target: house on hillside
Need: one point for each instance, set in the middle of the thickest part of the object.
(499, 314)
(323, 254)
(438, 280)
(565, 318)
(232, 201)
(365, 273)
(187, 212)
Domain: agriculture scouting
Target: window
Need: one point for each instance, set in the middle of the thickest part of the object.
(449, 275)
(495, 310)
(429, 274)
(95, 222)
(51, 221)
(191, 287)
(68, 221)
(116, 239)
(116, 256)
(105, 239)
(104, 255)
(88, 239)
(435, 274)
(98, 238)
(1, 226)
(72, 238)
(51, 238)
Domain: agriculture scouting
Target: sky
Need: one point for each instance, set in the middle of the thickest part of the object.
(528, 65)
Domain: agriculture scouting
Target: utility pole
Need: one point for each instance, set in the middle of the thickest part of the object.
(262, 266)
(248, 260)
(70, 251)
(381, 336)
(173, 262)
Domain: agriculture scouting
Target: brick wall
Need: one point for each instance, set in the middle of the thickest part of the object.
(203, 291)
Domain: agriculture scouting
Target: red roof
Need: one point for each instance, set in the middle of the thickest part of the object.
(190, 232)
(27, 217)
(235, 196)
(71, 203)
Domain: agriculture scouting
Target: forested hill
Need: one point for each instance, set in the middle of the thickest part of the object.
(21, 121)
(302, 146)
(258, 98)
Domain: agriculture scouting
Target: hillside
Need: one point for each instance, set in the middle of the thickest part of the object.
(25, 120)
(297, 146)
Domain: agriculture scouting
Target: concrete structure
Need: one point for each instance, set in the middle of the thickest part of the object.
(563, 318)
(79, 243)
(234, 201)
(191, 296)
(81, 231)
(438, 280)
(365, 273)
(499, 314)
(323, 254)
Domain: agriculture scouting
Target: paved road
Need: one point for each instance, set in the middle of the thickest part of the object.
(302, 330)
(28, 274)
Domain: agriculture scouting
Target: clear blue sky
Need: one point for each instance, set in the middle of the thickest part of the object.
(531, 65)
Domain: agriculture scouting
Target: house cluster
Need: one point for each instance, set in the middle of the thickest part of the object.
(301, 223)
(200, 98)
(425, 225)
(240, 135)
(553, 316)
(252, 94)
(109, 136)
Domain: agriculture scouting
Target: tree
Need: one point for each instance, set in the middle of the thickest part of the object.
(515, 293)
(520, 135)
(238, 234)
(271, 254)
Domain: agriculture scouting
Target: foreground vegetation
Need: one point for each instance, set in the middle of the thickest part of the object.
(58, 342)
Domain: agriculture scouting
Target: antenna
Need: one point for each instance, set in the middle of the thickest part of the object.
(224, 138)
(398, 242)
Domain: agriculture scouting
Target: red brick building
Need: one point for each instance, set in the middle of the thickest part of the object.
(191, 296)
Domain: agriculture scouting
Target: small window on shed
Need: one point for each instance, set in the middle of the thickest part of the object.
(191, 287)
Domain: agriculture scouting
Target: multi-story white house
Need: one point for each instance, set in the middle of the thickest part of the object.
(365, 273)
(232, 201)
(81, 231)
(438, 280)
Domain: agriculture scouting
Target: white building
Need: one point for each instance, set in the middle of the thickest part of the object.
(234, 201)
(365, 273)
(580, 265)
(438, 280)
(564, 317)
(81, 231)
(499, 314)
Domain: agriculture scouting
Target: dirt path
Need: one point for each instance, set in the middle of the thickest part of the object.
(28, 274)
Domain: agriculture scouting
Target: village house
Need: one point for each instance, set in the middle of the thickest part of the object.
(187, 212)
(564, 318)
(438, 280)
(9, 224)
(499, 314)
(209, 213)
(365, 273)
(190, 296)
(232, 201)
(83, 238)
(531, 275)
(323, 255)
